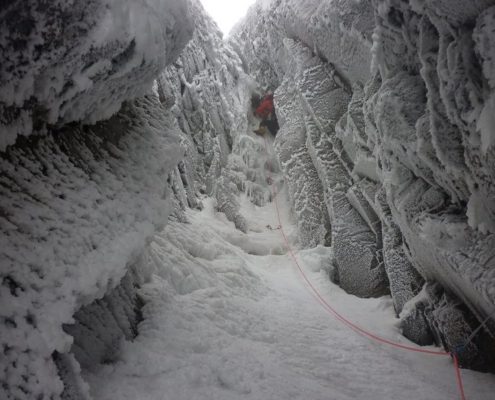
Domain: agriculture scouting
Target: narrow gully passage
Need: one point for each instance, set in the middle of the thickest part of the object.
(228, 317)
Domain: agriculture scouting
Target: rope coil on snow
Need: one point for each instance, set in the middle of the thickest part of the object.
(326, 306)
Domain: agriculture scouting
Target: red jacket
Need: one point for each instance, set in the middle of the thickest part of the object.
(265, 109)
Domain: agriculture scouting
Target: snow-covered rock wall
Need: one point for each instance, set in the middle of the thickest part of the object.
(387, 107)
(65, 61)
(210, 95)
(78, 207)
(101, 144)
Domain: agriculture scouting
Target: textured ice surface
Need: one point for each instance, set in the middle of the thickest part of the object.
(90, 198)
(305, 188)
(65, 61)
(418, 130)
(438, 177)
(210, 95)
(80, 203)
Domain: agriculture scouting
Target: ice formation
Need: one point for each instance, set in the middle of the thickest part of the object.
(392, 113)
(116, 117)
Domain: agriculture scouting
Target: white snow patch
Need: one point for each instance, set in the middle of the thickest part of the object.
(254, 331)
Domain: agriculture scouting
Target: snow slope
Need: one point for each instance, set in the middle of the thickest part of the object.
(228, 317)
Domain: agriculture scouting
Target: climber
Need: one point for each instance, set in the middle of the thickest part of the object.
(265, 110)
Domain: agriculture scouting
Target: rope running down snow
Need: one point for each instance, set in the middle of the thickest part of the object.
(339, 316)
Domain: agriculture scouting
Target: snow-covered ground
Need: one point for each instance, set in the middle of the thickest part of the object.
(228, 317)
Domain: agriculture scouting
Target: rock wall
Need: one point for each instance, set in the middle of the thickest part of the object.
(386, 105)
(75, 61)
(117, 125)
(78, 207)
(209, 94)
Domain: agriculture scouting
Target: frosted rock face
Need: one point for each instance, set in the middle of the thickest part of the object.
(405, 281)
(438, 176)
(312, 97)
(80, 203)
(338, 31)
(209, 92)
(101, 326)
(354, 243)
(415, 326)
(91, 197)
(99, 330)
(305, 188)
(452, 325)
(65, 61)
(358, 266)
(310, 101)
(409, 137)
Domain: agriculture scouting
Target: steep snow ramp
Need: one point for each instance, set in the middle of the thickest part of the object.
(224, 324)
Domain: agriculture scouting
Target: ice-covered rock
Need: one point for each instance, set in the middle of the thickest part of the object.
(65, 61)
(415, 326)
(338, 31)
(455, 327)
(436, 175)
(358, 264)
(210, 93)
(78, 207)
(305, 188)
(80, 199)
(415, 127)
(405, 281)
(310, 101)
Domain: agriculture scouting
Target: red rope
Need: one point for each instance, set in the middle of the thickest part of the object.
(326, 306)
(458, 376)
